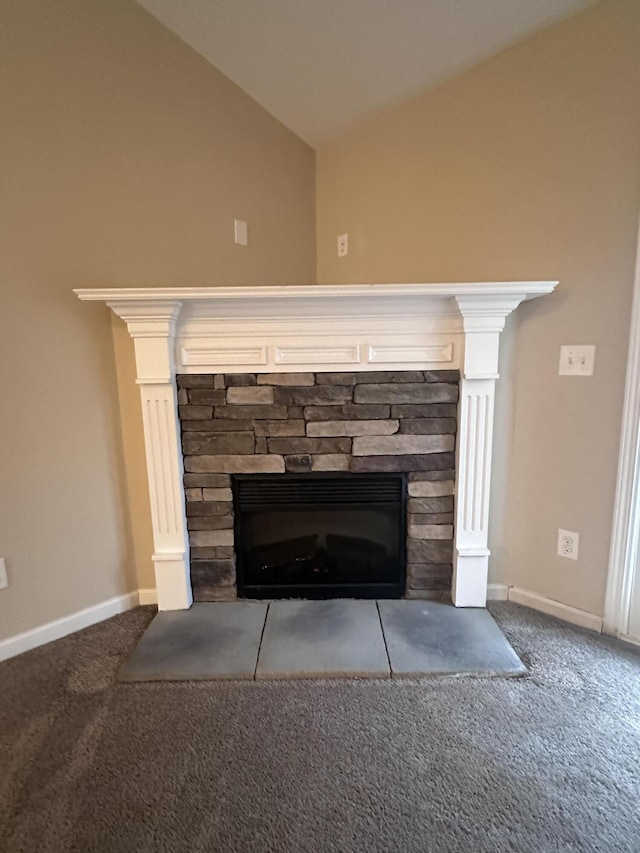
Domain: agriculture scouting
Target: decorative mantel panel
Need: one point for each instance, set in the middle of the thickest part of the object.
(319, 328)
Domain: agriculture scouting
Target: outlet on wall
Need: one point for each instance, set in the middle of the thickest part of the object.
(4, 580)
(343, 245)
(568, 542)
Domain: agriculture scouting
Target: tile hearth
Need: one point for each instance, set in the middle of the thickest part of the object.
(320, 639)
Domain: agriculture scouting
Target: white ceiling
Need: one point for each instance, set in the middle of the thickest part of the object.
(320, 66)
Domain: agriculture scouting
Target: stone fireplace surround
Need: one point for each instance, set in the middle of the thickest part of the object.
(323, 329)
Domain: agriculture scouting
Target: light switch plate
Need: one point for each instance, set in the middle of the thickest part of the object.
(577, 360)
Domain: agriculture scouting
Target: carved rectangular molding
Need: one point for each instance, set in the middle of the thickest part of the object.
(194, 355)
(436, 354)
(316, 354)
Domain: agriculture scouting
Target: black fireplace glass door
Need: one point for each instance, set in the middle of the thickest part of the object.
(322, 535)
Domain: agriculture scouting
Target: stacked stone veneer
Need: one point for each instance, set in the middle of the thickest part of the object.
(296, 422)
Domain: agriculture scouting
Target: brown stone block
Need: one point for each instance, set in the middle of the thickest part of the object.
(279, 428)
(431, 518)
(420, 476)
(220, 552)
(264, 413)
(428, 551)
(297, 464)
(335, 378)
(209, 522)
(405, 445)
(295, 413)
(330, 462)
(426, 410)
(207, 481)
(428, 426)
(402, 463)
(299, 379)
(194, 380)
(353, 428)
(349, 412)
(183, 397)
(296, 446)
(377, 377)
(239, 380)
(209, 508)
(206, 397)
(261, 444)
(207, 592)
(429, 595)
(423, 571)
(218, 381)
(428, 392)
(213, 573)
(195, 413)
(211, 443)
(443, 503)
(263, 464)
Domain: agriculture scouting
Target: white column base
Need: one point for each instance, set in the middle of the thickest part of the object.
(173, 582)
(470, 576)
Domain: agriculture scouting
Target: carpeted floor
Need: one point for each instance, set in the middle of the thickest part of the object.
(550, 762)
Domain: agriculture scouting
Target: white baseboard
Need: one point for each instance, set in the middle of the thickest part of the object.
(28, 640)
(147, 596)
(555, 608)
(497, 592)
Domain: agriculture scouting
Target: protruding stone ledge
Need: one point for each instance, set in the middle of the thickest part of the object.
(352, 428)
(429, 392)
(393, 445)
(262, 464)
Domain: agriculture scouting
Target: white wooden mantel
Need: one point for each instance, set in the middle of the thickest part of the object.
(318, 328)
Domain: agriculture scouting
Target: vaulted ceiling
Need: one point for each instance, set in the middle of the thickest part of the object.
(321, 66)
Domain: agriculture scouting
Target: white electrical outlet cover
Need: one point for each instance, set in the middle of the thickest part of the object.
(4, 580)
(240, 232)
(568, 542)
(343, 245)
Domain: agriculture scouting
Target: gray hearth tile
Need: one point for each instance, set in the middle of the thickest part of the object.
(213, 640)
(322, 639)
(428, 637)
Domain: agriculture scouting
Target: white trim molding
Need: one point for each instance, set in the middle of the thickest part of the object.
(27, 640)
(625, 534)
(297, 328)
(555, 608)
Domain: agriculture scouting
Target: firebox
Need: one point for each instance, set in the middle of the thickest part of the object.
(320, 535)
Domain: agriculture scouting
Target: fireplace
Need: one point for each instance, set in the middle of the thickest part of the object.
(323, 535)
(289, 329)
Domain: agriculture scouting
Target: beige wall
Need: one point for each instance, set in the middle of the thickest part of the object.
(124, 158)
(528, 166)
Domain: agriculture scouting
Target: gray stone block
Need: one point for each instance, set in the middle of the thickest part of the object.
(295, 413)
(428, 426)
(431, 517)
(263, 464)
(261, 444)
(218, 381)
(393, 445)
(443, 503)
(294, 446)
(298, 379)
(297, 464)
(428, 551)
(214, 553)
(426, 410)
(441, 375)
(279, 428)
(212, 573)
(412, 393)
(440, 474)
(193, 494)
(430, 489)
(206, 397)
(209, 538)
(183, 397)
(195, 413)
(213, 443)
(430, 571)
(336, 378)
(235, 380)
(217, 494)
(430, 531)
(440, 596)
(205, 593)
(327, 428)
(264, 413)
(209, 522)
(208, 508)
(195, 380)
(209, 481)
(316, 395)
(427, 461)
(330, 462)
(259, 395)
(217, 425)
(377, 377)
(347, 412)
